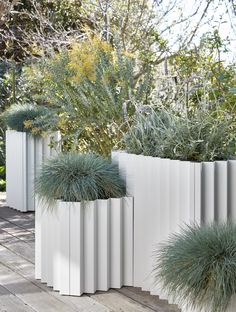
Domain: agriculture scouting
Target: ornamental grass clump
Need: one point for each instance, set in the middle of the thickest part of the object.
(203, 135)
(198, 266)
(74, 177)
(30, 118)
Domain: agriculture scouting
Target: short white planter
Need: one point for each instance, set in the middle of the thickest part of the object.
(168, 194)
(84, 249)
(24, 154)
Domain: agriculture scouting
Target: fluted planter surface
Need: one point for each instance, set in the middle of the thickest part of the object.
(85, 248)
(24, 155)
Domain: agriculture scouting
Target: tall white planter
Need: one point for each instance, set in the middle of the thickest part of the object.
(168, 194)
(85, 249)
(24, 155)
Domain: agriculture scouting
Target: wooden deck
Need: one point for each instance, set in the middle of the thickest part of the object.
(19, 291)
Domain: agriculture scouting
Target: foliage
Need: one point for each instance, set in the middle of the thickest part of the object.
(134, 23)
(204, 73)
(198, 266)
(83, 57)
(2, 179)
(92, 87)
(30, 27)
(76, 177)
(203, 135)
(29, 118)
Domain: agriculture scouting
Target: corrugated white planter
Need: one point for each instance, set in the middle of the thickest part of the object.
(24, 154)
(169, 193)
(85, 249)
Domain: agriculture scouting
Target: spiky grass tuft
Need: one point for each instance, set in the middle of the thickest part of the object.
(29, 118)
(76, 177)
(198, 266)
(204, 135)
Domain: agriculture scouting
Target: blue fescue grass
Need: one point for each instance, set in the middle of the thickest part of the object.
(198, 266)
(74, 177)
(29, 118)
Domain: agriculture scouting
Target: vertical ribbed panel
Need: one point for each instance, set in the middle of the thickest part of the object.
(186, 192)
(208, 192)
(141, 244)
(30, 171)
(164, 175)
(103, 244)
(154, 230)
(45, 242)
(21, 170)
(90, 247)
(139, 221)
(174, 195)
(221, 191)
(116, 236)
(197, 192)
(49, 257)
(16, 170)
(85, 248)
(64, 219)
(38, 239)
(76, 243)
(38, 213)
(128, 241)
(232, 189)
(56, 247)
(164, 213)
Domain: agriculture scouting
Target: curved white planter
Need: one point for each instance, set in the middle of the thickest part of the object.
(85, 249)
(168, 194)
(24, 154)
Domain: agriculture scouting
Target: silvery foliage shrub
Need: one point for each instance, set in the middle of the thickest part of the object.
(30, 118)
(203, 135)
(74, 177)
(198, 266)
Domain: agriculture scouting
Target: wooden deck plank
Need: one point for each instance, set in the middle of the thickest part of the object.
(152, 302)
(22, 248)
(26, 270)
(29, 293)
(119, 302)
(22, 220)
(20, 233)
(10, 303)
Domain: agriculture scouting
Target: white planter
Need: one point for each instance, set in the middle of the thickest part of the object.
(24, 154)
(168, 194)
(85, 249)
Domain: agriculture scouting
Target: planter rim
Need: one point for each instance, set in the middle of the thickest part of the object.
(191, 161)
(33, 135)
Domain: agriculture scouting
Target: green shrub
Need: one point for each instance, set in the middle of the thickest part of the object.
(76, 177)
(94, 93)
(29, 118)
(2, 179)
(198, 266)
(204, 135)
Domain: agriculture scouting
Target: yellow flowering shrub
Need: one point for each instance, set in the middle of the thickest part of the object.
(84, 55)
